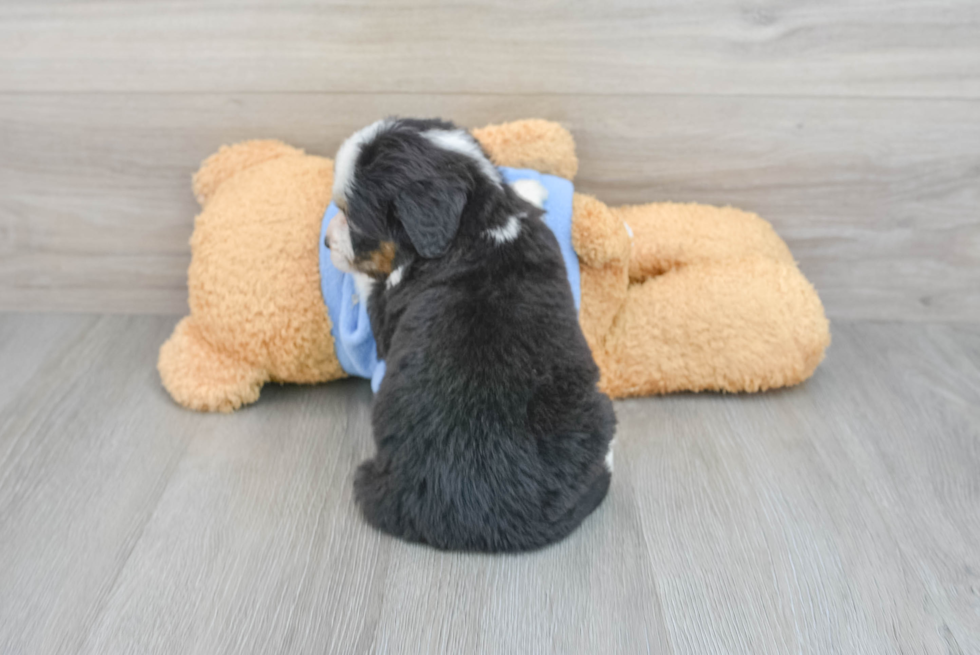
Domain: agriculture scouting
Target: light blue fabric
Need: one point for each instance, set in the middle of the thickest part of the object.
(557, 216)
(352, 336)
(353, 339)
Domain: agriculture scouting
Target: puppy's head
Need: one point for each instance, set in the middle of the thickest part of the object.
(401, 187)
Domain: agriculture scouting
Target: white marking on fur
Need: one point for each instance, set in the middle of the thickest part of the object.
(532, 191)
(629, 230)
(396, 276)
(338, 240)
(346, 159)
(506, 232)
(364, 284)
(609, 456)
(461, 142)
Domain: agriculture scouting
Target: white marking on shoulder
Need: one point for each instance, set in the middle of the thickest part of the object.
(364, 284)
(346, 159)
(532, 191)
(506, 232)
(396, 276)
(461, 142)
(609, 456)
(629, 230)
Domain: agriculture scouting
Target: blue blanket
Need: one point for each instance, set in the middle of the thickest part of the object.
(356, 350)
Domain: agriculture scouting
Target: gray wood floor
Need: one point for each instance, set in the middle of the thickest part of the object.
(842, 516)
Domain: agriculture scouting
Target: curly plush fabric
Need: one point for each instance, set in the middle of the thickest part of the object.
(254, 283)
(674, 297)
(700, 298)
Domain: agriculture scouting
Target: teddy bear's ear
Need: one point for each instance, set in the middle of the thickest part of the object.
(430, 210)
(543, 145)
(233, 159)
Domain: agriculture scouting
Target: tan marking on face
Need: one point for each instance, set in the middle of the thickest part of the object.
(378, 261)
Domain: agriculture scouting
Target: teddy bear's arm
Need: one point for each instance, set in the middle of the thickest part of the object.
(598, 234)
(669, 235)
(545, 146)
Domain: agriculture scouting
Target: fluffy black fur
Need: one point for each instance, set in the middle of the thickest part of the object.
(490, 431)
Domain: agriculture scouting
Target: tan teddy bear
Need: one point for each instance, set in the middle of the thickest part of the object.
(674, 297)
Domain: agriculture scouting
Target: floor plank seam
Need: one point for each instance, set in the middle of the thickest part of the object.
(138, 537)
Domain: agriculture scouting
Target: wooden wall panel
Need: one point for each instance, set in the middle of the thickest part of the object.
(837, 47)
(877, 198)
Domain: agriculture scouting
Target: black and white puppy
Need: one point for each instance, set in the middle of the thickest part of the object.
(490, 431)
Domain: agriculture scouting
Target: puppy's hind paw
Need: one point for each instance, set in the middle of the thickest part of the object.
(374, 495)
(368, 483)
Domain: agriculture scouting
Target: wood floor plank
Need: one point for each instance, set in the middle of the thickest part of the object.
(876, 198)
(26, 344)
(591, 593)
(257, 546)
(87, 444)
(838, 516)
(838, 48)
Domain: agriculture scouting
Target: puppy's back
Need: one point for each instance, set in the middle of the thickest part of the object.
(491, 432)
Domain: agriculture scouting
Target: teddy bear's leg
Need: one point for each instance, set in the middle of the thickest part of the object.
(744, 324)
(200, 377)
(668, 235)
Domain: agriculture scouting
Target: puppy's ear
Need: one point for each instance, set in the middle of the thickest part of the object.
(430, 210)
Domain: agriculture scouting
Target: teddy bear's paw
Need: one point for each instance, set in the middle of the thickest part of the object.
(532, 191)
(203, 378)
